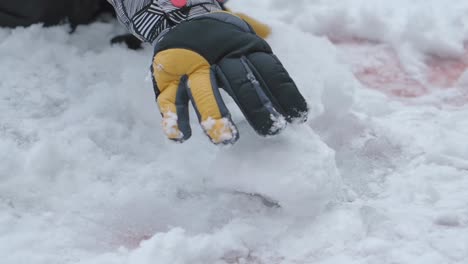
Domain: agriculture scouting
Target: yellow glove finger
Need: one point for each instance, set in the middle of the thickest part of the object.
(173, 65)
(172, 100)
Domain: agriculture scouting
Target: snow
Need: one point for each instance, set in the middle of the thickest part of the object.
(87, 175)
(169, 125)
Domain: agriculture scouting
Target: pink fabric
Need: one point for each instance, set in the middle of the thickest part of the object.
(179, 3)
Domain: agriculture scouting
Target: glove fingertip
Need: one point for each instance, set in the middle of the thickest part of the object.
(221, 131)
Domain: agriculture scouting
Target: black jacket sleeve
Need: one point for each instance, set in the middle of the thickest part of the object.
(15, 13)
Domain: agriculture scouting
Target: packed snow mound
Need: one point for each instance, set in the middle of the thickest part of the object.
(403, 48)
(88, 177)
(423, 26)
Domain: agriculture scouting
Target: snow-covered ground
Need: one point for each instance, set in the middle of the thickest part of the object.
(87, 176)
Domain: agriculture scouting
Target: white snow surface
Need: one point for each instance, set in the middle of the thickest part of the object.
(87, 176)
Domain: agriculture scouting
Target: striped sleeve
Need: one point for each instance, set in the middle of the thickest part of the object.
(150, 21)
(146, 19)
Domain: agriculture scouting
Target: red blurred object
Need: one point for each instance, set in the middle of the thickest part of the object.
(378, 66)
(179, 3)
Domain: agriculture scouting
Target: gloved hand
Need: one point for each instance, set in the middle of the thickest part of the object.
(198, 56)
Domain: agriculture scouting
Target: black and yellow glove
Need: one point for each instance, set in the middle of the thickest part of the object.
(198, 56)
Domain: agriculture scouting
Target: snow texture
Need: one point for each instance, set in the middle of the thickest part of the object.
(169, 125)
(87, 175)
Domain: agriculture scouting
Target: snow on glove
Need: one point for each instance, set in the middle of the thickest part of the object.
(197, 57)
